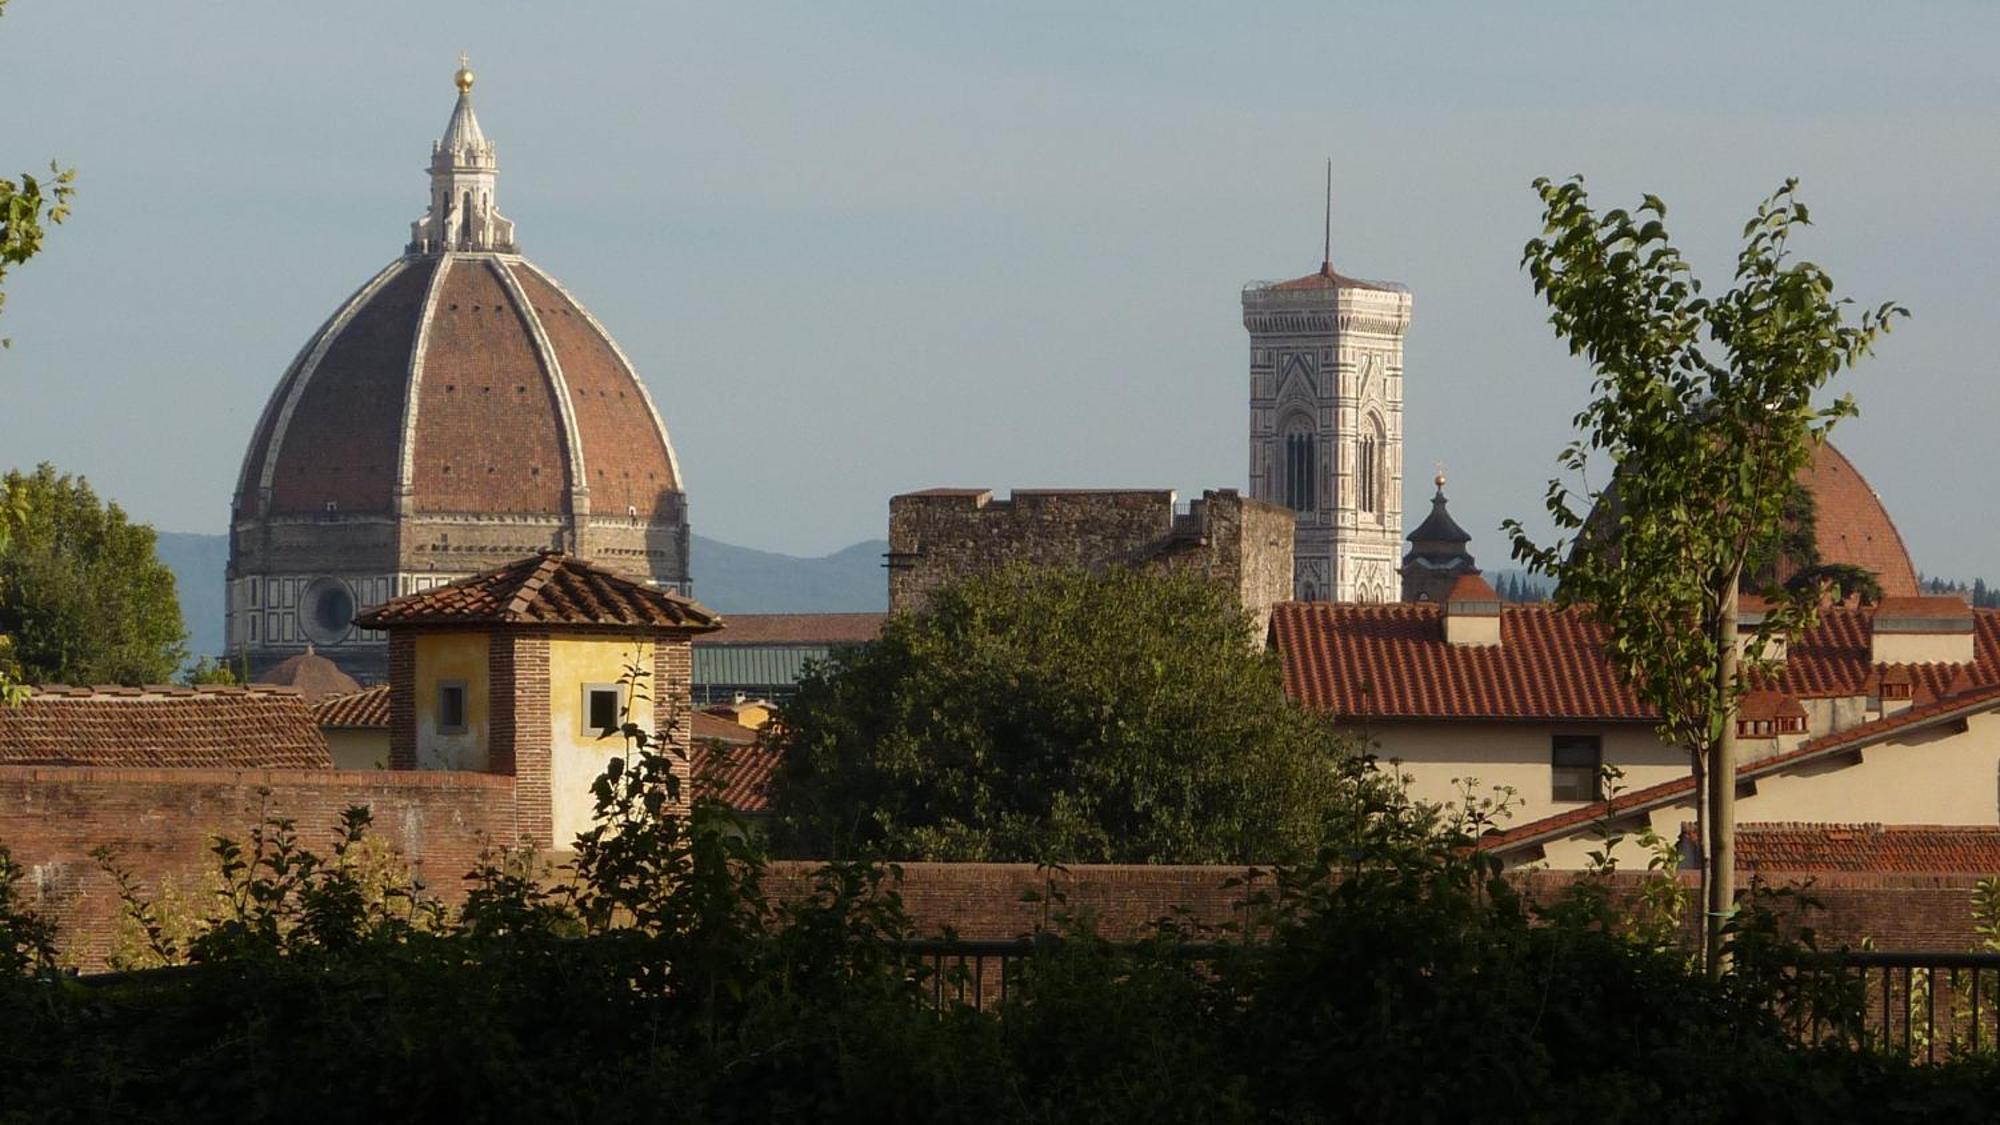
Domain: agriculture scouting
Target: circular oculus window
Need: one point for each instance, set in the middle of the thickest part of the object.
(326, 612)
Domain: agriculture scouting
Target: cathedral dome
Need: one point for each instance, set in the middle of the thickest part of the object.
(459, 410)
(1852, 528)
(1850, 525)
(460, 383)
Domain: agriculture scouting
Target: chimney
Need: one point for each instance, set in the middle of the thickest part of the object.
(1750, 613)
(1927, 630)
(1471, 612)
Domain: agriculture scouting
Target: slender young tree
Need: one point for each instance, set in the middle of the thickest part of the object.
(1705, 409)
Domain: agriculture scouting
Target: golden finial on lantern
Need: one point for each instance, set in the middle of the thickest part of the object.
(1440, 477)
(464, 75)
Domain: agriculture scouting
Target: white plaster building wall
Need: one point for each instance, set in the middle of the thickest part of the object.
(1939, 776)
(1439, 756)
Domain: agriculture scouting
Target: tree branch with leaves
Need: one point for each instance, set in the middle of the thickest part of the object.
(1707, 410)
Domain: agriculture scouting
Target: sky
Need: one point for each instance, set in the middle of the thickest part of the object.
(860, 249)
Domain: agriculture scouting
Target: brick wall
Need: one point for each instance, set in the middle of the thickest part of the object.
(160, 823)
(673, 701)
(983, 900)
(527, 688)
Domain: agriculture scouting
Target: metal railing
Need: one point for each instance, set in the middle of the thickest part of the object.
(1925, 1005)
(982, 974)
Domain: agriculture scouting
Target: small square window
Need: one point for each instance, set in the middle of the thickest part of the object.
(602, 704)
(1576, 768)
(451, 707)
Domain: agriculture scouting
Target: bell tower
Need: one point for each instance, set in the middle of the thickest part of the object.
(1326, 423)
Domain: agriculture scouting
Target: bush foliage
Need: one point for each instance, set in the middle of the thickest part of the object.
(1055, 715)
(1392, 977)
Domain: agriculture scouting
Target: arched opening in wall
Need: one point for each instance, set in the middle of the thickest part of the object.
(465, 221)
(1301, 473)
(1369, 471)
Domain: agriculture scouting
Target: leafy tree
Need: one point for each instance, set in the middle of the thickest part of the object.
(82, 593)
(1057, 715)
(27, 206)
(1705, 407)
(209, 670)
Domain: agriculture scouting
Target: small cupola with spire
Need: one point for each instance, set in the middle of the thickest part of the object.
(464, 172)
(1437, 557)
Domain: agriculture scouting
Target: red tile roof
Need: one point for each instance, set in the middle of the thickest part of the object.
(708, 727)
(741, 774)
(551, 588)
(254, 727)
(367, 709)
(1914, 849)
(314, 675)
(1471, 588)
(1667, 792)
(796, 629)
(1768, 705)
(1392, 662)
(1930, 610)
(1325, 278)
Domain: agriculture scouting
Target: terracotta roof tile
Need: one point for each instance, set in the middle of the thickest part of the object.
(1471, 588)
(547, 589)
(709, 727)
(1914, 849)
(1392, 661)
(255, 727)
(1325, 278)
(742, 774)
(796, 629)
(367, 709)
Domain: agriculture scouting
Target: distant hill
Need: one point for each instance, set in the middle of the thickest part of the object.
(744, 580)
(198, 563)
(728, 578)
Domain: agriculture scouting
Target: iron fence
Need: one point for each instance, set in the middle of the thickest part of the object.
(1927, 1006)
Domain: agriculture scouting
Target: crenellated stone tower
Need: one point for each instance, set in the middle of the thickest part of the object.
(1326, 425)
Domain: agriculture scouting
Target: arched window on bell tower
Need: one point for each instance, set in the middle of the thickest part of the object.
(1301, 474)
(1368, 470)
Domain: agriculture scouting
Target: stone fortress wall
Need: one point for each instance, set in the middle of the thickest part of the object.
(943, 535)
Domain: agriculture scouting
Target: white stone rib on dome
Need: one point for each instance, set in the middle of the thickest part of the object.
(292, 387)
(645, 395)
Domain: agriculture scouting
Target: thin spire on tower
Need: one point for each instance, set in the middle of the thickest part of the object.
(1326, 260)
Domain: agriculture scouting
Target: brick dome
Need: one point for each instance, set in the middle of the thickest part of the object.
(1852, 527)
(460, 383)
(458, 411)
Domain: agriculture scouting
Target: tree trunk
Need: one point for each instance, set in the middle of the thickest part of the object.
(1700, 767)
(1720, 862)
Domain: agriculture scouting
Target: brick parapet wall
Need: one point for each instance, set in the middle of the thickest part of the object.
(983, 900)
(160, 822)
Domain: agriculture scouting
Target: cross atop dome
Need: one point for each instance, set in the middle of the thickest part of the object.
(464, 170)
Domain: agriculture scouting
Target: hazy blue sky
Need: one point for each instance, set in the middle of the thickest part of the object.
(860, 249)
